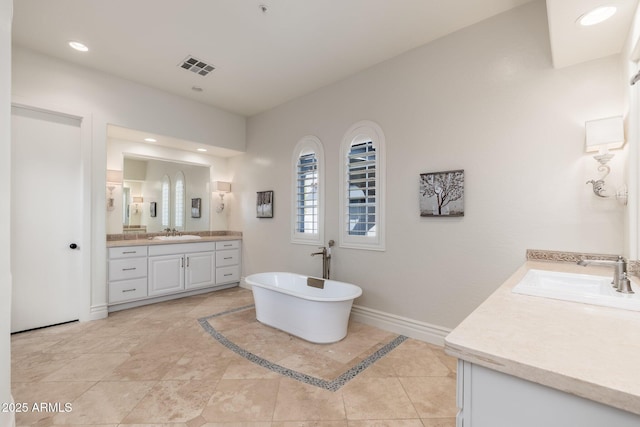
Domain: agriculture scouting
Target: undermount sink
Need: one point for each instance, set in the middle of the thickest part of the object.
(584, 288)
(183, 237)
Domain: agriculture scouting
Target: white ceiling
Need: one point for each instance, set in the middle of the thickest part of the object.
(265, 59)
(572, 43)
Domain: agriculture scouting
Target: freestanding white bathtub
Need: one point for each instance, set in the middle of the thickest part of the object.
(285, 301)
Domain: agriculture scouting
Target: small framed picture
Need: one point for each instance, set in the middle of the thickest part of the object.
(264, 204)
(442, 193)
(195, 207)
(152, 209)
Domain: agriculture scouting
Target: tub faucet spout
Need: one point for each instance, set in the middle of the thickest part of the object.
(326, 256)
(323, 252)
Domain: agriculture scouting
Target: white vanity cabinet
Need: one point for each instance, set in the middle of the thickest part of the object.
(127, 271)
(487, 398)
(140, 275)
(227, 261)
(182, 266)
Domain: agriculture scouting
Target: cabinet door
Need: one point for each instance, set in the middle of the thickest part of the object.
(200, 270)
(166, 274)
(494, 399)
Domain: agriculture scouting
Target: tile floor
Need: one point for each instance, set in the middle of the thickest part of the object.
(156, 365)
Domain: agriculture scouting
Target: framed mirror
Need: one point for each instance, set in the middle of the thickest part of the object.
(155, 193)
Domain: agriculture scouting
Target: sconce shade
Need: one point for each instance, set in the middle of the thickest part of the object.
(222, 186)
(114, 176)
(138, 199)
(604, 134)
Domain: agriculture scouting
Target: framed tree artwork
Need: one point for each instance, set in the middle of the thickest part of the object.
(442, 193)
(264, 204)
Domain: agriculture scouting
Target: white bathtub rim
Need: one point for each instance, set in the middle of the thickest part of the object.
(252, 282)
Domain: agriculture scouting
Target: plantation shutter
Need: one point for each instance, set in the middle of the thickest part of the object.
(361, 184)
(307, 194)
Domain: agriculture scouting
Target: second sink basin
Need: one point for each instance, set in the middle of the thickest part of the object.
(585, 288)
(183, 237)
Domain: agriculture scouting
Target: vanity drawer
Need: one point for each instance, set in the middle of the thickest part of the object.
(228, 244)
(228, 274)
(122, 269)
(127, 252)
(224, 258)
(127, 290)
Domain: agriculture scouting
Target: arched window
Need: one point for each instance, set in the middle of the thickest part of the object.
(165, 206)
(307, 211)
(362, 187)
(179, 202)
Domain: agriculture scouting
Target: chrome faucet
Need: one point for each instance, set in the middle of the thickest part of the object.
(620, 280)
(326, 257)
(169, 232)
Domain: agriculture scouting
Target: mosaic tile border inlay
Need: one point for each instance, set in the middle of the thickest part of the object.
(332, 385)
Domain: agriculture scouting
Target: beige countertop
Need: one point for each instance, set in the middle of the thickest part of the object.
(146, 242)
(586, 350)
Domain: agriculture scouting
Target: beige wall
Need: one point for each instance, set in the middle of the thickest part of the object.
(122, 102)
(485, 99)
(6, 10)
(45, 81)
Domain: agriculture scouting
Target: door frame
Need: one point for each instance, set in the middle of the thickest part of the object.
(85, 242)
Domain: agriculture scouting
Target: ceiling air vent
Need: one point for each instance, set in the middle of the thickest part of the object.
(196, 66)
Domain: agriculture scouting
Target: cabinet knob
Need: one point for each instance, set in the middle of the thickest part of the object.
(73, 246)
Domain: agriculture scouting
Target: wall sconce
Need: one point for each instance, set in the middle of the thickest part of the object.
(221, 187)
(136, 203)
(114, 178)
(601, 136)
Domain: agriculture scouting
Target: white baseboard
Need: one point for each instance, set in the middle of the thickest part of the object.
(422, 331)
(97, 312)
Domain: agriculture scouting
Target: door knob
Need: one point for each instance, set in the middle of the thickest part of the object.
(73, 246)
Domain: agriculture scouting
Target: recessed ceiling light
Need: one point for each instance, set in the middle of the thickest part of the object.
(151, 140)
(79, 46)
(202, 150)
(597, 15)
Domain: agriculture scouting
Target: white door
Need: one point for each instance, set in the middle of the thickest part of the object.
(46, 218)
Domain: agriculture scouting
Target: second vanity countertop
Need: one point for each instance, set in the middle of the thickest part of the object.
(586, 350)
(147, 241)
